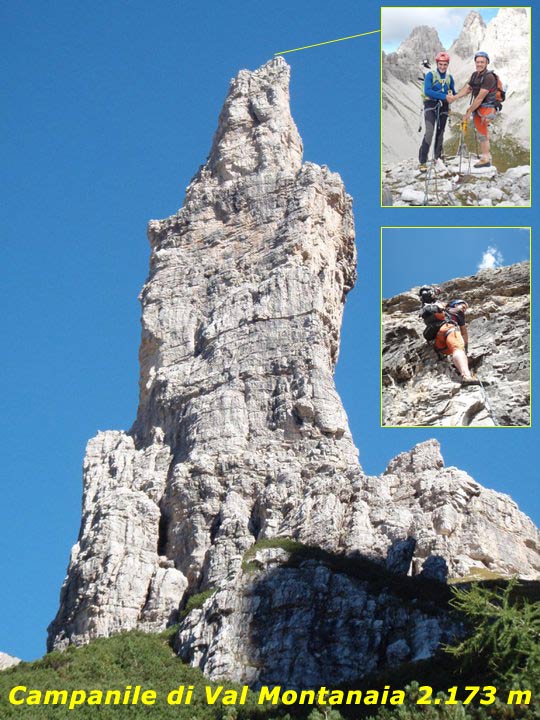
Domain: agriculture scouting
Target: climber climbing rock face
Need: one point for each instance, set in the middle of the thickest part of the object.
(449, 329)
(483, 87)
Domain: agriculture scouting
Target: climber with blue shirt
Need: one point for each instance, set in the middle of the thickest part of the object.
(438, 86)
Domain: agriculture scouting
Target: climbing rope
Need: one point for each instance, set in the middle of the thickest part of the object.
(487, 403)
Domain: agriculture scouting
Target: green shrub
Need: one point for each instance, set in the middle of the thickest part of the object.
(197, 600)
(504, 633)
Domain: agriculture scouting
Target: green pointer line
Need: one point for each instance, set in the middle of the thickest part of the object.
(306, 47)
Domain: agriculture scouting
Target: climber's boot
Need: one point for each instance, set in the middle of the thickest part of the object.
(469, 380)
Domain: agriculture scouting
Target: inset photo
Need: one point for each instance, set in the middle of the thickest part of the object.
(456, 327)
(456, 106)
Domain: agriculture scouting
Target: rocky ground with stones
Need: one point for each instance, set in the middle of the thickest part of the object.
(456, 182)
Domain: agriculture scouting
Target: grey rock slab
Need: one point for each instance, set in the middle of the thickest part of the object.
(7, 661)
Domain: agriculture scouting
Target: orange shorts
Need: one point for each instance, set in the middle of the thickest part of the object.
(449, 339)
(482, 117)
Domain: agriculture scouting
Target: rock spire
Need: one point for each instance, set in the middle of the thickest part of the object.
(241, 438)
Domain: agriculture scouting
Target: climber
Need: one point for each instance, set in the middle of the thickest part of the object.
(483, 87)
(438, 88)
(446, 326)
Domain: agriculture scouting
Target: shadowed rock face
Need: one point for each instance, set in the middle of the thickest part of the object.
(420, 389)
(241, 436)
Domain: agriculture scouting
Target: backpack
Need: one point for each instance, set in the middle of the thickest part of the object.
(500, 93)
(495, 97)
(434, 317)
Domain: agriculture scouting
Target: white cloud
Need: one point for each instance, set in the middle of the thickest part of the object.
(491, 258)
(397, 23)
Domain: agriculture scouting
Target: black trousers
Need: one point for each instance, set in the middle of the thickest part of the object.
(435, 117)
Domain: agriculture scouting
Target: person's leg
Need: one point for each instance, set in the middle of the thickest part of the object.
(459, 358)
(456, 345)
(482, 118)
(439, 137)
(429, 120)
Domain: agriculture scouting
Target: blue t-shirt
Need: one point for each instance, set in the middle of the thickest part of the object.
(437, 90)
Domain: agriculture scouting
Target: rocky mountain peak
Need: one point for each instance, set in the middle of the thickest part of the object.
(256, 131)
(424, 456)
(470, 38)
(423, 42)
(404, 64)
(7, 661)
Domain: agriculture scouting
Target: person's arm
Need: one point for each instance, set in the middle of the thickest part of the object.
(466, 90)
(428, 88)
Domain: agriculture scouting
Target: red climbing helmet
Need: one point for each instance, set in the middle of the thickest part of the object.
(443, 57)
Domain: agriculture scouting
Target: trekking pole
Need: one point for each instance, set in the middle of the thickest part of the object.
(461, 146)
(438, 129)
(463, 150)
(476, 143)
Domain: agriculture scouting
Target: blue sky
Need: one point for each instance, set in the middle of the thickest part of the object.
(422, 256)
(397, 22)
(111, 110)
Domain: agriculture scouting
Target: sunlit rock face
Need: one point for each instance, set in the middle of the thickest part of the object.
(419, 388)
(241, 437)
(7, 661)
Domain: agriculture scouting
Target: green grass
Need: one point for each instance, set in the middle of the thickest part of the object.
(132, 658)
(197, 601)
(506, 151)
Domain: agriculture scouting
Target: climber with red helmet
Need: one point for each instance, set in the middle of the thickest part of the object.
(438, 88)
(482, 86)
